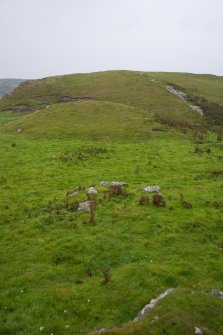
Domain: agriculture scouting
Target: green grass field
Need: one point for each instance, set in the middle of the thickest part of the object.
(54, 259)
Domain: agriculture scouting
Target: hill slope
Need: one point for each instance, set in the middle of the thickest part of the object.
(90, 120)
(66, 271)
(126, 87)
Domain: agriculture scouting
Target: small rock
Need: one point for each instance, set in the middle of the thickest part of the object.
(72, 194)
(146, 309)
(216, 293)
(176, 92)
(196, 109)
(183, 96)
(84, 206)
(118, 183)
(151, 188)
(198, 331)
(92, 190)
(105, 183)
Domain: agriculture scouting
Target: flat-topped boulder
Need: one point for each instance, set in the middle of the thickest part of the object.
(92, 190)
(84, 206)
(113, 183)
(119, 183)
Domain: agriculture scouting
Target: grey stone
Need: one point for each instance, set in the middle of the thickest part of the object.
(118, 183)
(216, 293)
(84, 206)
(151, 188)
(72, 194)
(146, 309)
(178, 93)
(183, 96)
(92, 190)
(198, 331)
(196, 109)
(105, 183)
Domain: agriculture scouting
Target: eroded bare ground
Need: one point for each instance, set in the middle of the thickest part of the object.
(182, 95)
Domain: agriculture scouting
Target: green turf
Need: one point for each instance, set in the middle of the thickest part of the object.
(53, 257)
(93, 120)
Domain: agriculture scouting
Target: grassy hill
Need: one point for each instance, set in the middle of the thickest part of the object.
(91, 120)
(69, 272)
(126, 87)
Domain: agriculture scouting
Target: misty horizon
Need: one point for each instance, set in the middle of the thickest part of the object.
(51, 38)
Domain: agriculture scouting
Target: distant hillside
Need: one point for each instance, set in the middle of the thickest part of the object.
(144, 90)
(131, 88)
(7, 85)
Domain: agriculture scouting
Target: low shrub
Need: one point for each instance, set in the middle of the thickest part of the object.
(143, 200)
(158, 200)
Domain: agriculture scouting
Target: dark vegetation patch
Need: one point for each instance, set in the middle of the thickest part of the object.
(212, 111)
(116, 190)
(107, 277)
(21, 108)
(217, 173)
(158, 200)
(184, 126)
(67, 203)
(70, 99)
(158, 129)
(144, 200)
(201, 150)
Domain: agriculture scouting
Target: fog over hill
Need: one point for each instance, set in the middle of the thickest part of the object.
(8, 84)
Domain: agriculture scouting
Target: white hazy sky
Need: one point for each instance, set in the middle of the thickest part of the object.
(40, 38)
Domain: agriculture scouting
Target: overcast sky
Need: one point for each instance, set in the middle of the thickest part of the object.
(40, 38)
